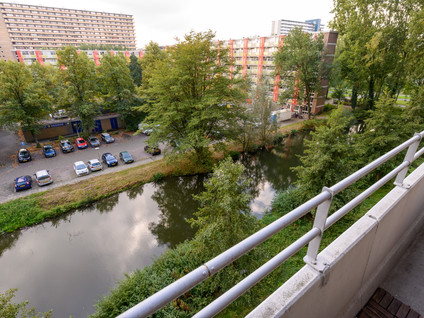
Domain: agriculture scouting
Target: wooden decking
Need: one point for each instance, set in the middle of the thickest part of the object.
(384, 305)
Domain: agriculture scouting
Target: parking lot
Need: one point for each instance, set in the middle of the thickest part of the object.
(61, 166)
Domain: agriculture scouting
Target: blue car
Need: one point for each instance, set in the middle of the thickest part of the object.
(49, 151)
(109, 159)
(23, 183)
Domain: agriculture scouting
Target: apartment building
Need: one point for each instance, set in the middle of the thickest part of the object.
(34, 27)
(254, 57)
(283, 27)
(50, 56)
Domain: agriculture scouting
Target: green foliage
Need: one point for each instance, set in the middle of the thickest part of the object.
(374, 48)
(79, 89)
(329, 107)
(158, 176)
(189, 94)
(24, 99)
(329, 155)
(300, 64)
(384, 130)
(8, 309)
(135, 70)
(261, 113)
(118, 86)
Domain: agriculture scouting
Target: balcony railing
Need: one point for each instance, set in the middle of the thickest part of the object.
(313, 237)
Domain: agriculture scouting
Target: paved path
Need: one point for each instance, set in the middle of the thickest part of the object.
(61, 166)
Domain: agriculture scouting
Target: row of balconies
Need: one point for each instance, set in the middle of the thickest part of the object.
(16, 37)
(64, 12)
(62, 23)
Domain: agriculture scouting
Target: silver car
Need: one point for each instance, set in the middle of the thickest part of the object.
(94, 165)
(43, 177)
(80, 168)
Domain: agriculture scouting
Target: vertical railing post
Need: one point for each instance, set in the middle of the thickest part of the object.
(319, 223)
(409, 157)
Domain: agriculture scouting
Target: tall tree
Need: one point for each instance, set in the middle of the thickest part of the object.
(261, 111)
(328, 155)
(79, 91)
(190, 96)
(117, 85)
(300, 62)
(374, 33)
(24, 100)
(135, 70)
(224, 217)
(153, 54)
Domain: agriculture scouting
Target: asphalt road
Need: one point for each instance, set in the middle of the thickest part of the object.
(61, 166)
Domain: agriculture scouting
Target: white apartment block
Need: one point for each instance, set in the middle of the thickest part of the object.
(34, 27)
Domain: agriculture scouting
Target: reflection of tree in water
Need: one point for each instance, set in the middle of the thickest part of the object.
(134, 192)
(274, 166)
(7, 241)
(106, 205)
(174, 197)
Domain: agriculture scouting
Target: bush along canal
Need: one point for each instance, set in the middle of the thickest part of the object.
(68, 263)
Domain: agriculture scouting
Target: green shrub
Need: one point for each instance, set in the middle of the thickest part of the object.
(158, 176)
(278, 138)
(235, 155)
(328, 107)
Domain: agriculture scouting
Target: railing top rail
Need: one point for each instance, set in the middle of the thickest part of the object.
(192, 279)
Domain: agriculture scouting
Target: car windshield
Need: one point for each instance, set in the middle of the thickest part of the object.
(24, 153)
(106, 136)
(126, 155)
(66, 143)
(93, 139)
(110, 157)
(21, 179)
(95, 164)
(44, 177)
(47, 148)
(81, 166)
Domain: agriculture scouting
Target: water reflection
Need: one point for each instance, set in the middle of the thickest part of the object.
(66, 264)
(174, 197)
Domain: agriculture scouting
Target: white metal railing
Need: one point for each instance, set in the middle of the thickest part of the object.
(322, 222)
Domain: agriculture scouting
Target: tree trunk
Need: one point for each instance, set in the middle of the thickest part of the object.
(354, 99)
(371, 93)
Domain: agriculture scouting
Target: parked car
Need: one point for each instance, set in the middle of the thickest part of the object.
(94, 165)
(60, 114)
(80, 168)
(81, 143)
(24, 155)
(48, 151)
(109, 159)
(43, 177)
(152, 150)
(66, 146)
(22, 183)
(107, 138)
(94, 141)
(126, 157)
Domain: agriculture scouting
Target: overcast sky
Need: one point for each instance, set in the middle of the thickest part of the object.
(163, 20)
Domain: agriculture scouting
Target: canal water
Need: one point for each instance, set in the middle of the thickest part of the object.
(67, 264)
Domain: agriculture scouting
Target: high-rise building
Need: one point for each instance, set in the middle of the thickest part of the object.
(34, 27)
(254, 57)
(283, 27)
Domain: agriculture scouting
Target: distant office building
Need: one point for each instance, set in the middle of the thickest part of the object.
(283, 27)
(34, 27)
